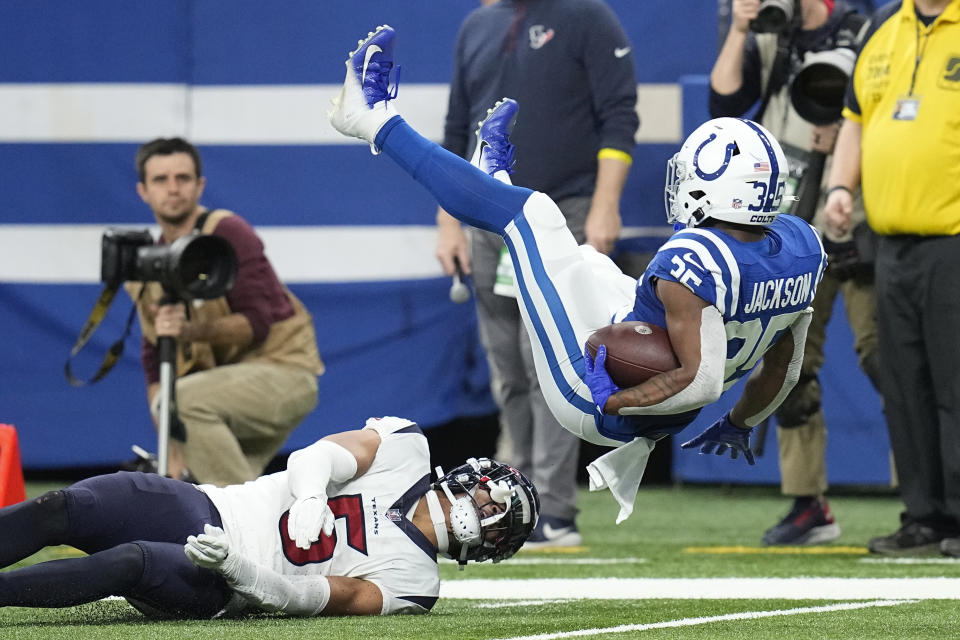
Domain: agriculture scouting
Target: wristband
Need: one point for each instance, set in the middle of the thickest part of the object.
(839, 187)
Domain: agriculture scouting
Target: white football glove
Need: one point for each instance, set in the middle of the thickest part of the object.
(264, 587)
(209, 549)
(308, 517)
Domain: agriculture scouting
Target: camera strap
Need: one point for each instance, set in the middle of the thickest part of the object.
(780, 69)
(202, 220)
(93, 321)
(778, 74)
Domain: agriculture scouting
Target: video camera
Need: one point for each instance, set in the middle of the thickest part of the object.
(192, 267)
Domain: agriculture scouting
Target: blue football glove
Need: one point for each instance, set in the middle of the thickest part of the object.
(601, 386)
(722, 435)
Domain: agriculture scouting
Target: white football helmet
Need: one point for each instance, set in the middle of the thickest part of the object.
(489, 537)
(728, 169)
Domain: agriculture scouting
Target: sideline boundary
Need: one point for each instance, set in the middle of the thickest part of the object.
(708, 588)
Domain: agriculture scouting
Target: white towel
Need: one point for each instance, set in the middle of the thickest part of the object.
(620, 471)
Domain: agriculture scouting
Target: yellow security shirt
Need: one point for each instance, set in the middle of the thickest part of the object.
(906, 95)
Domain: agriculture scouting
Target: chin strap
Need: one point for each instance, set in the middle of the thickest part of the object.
(439, 519)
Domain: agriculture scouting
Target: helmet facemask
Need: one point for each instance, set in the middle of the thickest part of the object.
(497, 528)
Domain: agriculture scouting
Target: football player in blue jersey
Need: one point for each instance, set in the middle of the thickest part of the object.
(732, 287)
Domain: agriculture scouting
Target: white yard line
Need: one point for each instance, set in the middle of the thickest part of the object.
(955, 561)
(515, 561)
(500, 604)
(707, 588)
(689, 622)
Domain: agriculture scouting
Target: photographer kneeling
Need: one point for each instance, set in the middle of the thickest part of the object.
(247, 362)
(788, 55)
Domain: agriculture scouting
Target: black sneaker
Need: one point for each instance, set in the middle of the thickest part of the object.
(950, 547)
(809, 522)
(146, 462)
(553, 532)
(910, 539)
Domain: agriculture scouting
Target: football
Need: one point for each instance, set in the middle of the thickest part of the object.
(636, 351)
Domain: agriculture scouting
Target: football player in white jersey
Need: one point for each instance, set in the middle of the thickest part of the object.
(732, 287)
(352, 527)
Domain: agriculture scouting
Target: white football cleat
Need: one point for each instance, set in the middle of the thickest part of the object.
(363, 105)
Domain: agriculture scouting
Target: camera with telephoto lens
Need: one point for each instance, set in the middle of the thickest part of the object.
(192, 267)
(775, 16)
(818, 88)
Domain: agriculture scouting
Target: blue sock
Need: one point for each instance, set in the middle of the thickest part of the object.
(467, 193)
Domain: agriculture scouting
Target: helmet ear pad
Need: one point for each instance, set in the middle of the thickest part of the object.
(465, 521)
(728, 169)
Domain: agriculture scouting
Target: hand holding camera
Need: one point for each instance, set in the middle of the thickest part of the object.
(171, 320)
(744, 13)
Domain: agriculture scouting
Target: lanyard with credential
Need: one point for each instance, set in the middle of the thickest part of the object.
(920, 50)
(908, 106)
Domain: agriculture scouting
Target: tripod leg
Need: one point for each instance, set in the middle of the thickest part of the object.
(168, 423)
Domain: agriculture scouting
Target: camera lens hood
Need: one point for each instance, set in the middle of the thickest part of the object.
(192, 267)
(203, 266)
(774, 16)
(818, 89)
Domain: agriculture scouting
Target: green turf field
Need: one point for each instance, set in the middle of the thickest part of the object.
(687, 564)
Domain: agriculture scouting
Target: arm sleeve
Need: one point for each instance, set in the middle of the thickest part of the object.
(739, 102)
(271, 591)
(310, 470)
(613, 80)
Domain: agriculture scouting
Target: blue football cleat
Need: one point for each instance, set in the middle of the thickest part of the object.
(364, 103)
(494, 151)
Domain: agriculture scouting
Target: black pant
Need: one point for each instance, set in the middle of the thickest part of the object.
(918, 311)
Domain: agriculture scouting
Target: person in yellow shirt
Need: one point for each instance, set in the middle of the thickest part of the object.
(900, 141)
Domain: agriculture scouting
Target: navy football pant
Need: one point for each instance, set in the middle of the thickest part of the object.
(133, 525)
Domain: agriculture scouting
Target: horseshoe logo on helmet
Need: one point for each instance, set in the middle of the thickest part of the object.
(727, 154)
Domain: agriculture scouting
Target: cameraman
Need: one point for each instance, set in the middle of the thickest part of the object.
(247, 363)
(756, 67)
